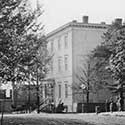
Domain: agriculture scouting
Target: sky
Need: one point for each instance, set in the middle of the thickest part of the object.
(60, 12)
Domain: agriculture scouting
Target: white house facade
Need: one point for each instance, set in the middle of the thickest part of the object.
(67, 44)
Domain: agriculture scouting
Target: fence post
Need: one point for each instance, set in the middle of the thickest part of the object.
(82, 108)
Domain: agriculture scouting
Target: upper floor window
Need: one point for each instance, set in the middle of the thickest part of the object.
(66, 62)
(51, 66)
(66, 90)
(45, 90)
(51, 46)
(59, 63)
(2, 94)
(5, 93)
(59, 91)
(59, 44)
(66, 41)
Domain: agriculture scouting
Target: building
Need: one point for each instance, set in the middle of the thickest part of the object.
(24, 96)
(5, 97)
(6, 91)
(68, 44)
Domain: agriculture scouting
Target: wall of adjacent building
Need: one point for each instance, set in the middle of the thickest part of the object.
(84, 41)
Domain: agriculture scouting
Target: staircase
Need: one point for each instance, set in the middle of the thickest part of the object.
(46, 105)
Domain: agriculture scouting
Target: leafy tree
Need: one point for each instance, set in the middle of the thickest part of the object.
(113, 55)
(101, 56)
(89, 77)
(33, 63)
(85, 77)
(117, 64)
(20, 43)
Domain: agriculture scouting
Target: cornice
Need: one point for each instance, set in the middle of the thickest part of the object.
(77, 25)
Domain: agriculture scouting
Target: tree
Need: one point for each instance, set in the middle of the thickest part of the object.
(101, 56)
(20, 42)
(114, 56)
(33, 65)
(88, 77)
(117, 64)
(84, 77)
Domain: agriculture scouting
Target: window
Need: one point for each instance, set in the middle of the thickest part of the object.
(59, 44)
(8, 93)
(66, 62)
(45, 87)
(59, 91)
(66, 90)
(2, 94)
(51, 66)
(51, 46)
(11, 92)
(59, 64)
(66, 41)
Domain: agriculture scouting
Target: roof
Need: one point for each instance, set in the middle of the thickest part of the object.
(79, 25)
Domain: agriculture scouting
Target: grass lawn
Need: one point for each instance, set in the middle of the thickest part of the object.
(22, 121)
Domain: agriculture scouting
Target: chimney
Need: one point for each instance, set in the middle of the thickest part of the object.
(103, 23)
(74, 21)
(118, 21)
(85, 19)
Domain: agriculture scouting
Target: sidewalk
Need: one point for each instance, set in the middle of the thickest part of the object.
(119, 114)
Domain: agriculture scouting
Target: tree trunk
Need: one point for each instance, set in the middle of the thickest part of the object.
(2, 112)
(121, 95)
(87, 97)
(38, 99)
(14, 94)
(122, 99)
(29, 107)
(87, 100)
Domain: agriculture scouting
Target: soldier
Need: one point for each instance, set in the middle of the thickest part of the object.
(111, 105)
(106, 105)
(119, 103)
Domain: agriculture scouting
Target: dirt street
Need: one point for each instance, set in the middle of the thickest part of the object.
(63, 119)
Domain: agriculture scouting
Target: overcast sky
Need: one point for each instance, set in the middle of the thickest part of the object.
(59, 12)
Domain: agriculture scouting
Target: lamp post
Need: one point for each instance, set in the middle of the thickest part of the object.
(85, 87)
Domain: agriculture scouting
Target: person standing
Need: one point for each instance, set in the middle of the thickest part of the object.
(111, 105)
(119, 103)
(106, 105)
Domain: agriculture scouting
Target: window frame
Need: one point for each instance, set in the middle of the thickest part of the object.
(59, 90)
(66, 89)
(52, 46)
(51, 66)
(59, 64)
(59, 43)
(66, 41)
(66, 62)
